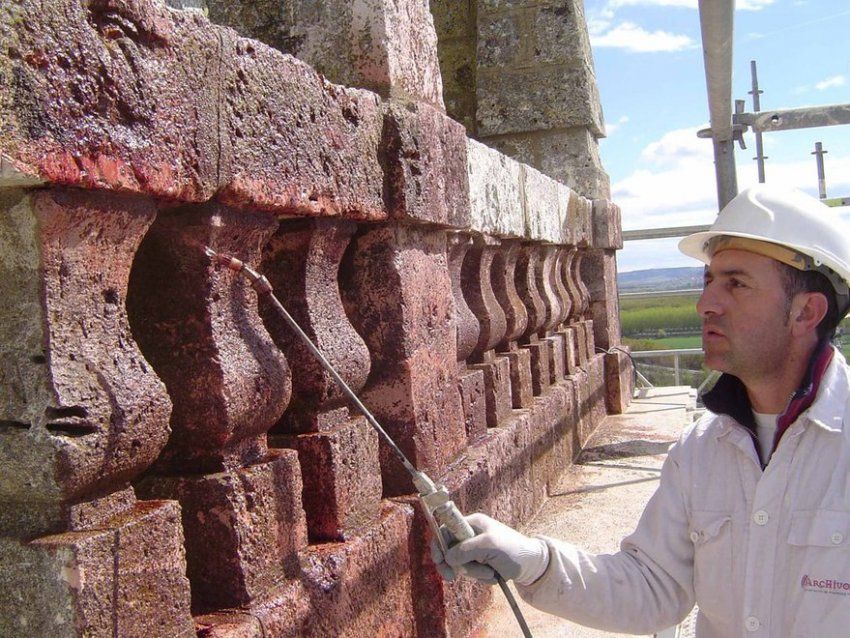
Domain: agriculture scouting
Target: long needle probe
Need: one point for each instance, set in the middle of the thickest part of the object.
(435, 497)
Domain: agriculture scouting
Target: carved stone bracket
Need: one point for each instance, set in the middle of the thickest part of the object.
(81, 415)
(397, 291)
(338, 453)
(526, 279)
(477, 284)
(516, 316)
(200, 328)
(470, 381)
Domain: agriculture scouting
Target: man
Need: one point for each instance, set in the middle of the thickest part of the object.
(751, 519)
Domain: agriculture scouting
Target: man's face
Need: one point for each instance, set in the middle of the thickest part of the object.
(744, 312)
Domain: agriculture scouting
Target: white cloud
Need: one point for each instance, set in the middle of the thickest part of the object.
(831, 82)
(743, 5)
(612, 127)
(674, 184)
(631, 37)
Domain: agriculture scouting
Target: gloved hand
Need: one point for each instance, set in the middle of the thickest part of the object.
(495, 547)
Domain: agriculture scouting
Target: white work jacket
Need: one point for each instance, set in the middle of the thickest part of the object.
(762, 553)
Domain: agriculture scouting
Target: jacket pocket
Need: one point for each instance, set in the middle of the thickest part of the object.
(818, 599)
(820, 528)
(711, 534)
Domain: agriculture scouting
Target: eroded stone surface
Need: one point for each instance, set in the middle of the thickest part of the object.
(190, 315)
(465, 320)
(476, 280)
(495, 191)
(301, 261)
(293, 143)
(125, 577)
(89, 104)
(130, 96)
(243, 528)
(389, 47)
(600, 268)
(342, 478)
(82, 411)
(607, 225)
(425, 162)
(397, 291)
(542, 205)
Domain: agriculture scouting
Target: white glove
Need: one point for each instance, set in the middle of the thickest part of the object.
(494, 548)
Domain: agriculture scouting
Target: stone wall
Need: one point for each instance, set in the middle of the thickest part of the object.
(520, 76)
(172, 461)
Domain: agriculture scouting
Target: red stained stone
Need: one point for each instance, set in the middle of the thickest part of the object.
(522, 393)
(472, 389)
(302, 263)
(189, 315)
(397, 292)
(497, 384)
(342, 480)
(82, 411)
(425, 155)
(358, 588)
(243, 528)
(619, 381)
(132, 96)
(294, 143)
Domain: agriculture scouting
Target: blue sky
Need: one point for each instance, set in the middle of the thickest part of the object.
(649, 67)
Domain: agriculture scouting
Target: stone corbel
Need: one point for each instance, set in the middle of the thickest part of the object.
(516, 316)
(338, 452)
(199, 327)
(470, 381)
(477, 284)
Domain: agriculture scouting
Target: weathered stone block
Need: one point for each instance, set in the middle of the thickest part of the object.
(560, 33)
(81, 411)
(571, 156)
(89, 104)
(389, 47)
(522, 393)
(397, 292)
(425, 163)
(558, 364)
(457, 66)
(243, 528)
(497, 385)
(123, 577)
(540, 358)
(571, 350)
(472, 396)
(513, 101)
(504, 39)
(134, 97)
(190, 315)
(619, 381)
(292, 142)
(453, 19)
(358, 588)
(495, 191)
(342, 479)
(542, 203)
(607, 225)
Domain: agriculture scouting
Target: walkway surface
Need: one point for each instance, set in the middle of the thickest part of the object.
(599, 500)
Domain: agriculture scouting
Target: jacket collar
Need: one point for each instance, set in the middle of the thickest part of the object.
(729, 396)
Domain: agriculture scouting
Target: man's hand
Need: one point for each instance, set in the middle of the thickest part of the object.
(494, 548)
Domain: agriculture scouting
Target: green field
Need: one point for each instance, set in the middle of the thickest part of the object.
(657, 323)
(651, 316)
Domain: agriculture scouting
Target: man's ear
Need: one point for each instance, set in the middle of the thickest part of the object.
(807, 311)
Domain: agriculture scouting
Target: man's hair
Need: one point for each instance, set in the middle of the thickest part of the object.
(794, 281)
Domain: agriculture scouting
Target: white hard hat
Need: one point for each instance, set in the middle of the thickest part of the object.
(771, 220)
